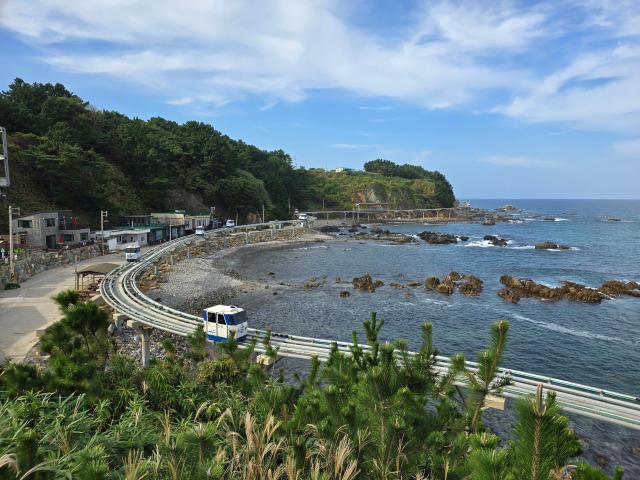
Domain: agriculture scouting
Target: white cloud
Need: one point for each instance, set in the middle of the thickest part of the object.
(451, 53)
(477, 26)
(221, 51)
(180, 101)
(521, 162)
(596, 91)
(628, 148)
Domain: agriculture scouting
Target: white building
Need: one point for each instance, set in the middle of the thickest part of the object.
(117, 239)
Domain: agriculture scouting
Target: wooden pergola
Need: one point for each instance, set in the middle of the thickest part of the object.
(95, 270)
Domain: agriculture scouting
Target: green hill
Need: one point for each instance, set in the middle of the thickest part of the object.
(64, 153)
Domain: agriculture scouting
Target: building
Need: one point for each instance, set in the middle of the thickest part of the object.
(51, 230)
(193, 220)
(174, 221)
(343, 169)
(117, 238)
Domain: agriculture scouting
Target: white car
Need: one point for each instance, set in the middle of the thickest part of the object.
(230, 224)
(303, 216)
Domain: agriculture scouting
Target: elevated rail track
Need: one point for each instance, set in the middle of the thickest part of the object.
(121, 291)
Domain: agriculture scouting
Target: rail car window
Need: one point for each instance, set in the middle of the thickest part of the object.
(221, 319)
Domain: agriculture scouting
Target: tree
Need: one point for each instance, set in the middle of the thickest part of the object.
(543, 441)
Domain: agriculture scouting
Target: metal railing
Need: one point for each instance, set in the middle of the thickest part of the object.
(121, 291)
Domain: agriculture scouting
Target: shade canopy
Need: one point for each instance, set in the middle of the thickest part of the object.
(97, 269)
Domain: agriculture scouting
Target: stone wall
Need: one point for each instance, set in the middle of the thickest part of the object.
(37, 262)
(200, 247)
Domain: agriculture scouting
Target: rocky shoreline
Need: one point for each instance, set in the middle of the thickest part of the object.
(211, 280)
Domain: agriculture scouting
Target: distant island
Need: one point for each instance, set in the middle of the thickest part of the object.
(65, 153)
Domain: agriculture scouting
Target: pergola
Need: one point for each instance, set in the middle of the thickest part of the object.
(95, 270)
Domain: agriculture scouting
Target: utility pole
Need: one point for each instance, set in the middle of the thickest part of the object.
(263, 220)
(103, 215)
(11, 212)
(4, 159)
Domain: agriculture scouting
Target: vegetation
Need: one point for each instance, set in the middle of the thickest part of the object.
(66, 154)
(378, 413)
(343, 189)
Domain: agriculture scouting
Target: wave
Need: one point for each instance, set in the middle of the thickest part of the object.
(576, 333)
(433, 301)
(557, 219)
(510, 246)
(481, 244)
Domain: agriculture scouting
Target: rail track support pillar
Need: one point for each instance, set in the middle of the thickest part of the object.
(145, 340)
(265, 360)
(494, 401)
(145, 337)
(119, 319)
(97, 299)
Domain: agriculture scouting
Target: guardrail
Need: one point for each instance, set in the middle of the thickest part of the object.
(121, 291)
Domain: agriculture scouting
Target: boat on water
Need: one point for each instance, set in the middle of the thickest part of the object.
(223, 321)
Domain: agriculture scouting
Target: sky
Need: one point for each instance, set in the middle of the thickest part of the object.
(509, 99)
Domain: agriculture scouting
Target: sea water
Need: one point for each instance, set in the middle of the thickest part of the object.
(594, 344)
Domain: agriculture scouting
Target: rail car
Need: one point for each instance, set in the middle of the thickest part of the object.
(221, 320)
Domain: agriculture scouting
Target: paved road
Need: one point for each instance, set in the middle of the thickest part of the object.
(29, 308)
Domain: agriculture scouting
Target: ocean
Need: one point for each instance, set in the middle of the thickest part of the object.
(594, 344)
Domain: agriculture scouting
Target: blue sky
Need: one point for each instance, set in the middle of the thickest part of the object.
(508, 99)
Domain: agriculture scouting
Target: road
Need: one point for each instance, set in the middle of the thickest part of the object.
(31, 307)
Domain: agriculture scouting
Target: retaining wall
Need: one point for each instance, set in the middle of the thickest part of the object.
(37, 262)
(207, 246)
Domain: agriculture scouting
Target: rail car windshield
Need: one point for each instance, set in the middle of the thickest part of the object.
(236, 318)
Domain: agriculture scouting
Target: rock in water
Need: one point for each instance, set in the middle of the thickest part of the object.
(431, 283)
(446, 287)
(547, 245)
(600, 459)
(471, 286)
(366, 284)
(496, 241)
(452, 277)
(517, 288)
(509, 295)
(614, 288)
(437, 238)
(344, 293)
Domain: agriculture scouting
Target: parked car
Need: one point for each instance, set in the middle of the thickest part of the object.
(230, 224)
(216, 222)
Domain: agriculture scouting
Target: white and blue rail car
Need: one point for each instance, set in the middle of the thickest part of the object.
(221, 320)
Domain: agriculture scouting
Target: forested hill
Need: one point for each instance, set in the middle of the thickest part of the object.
(64, 153)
